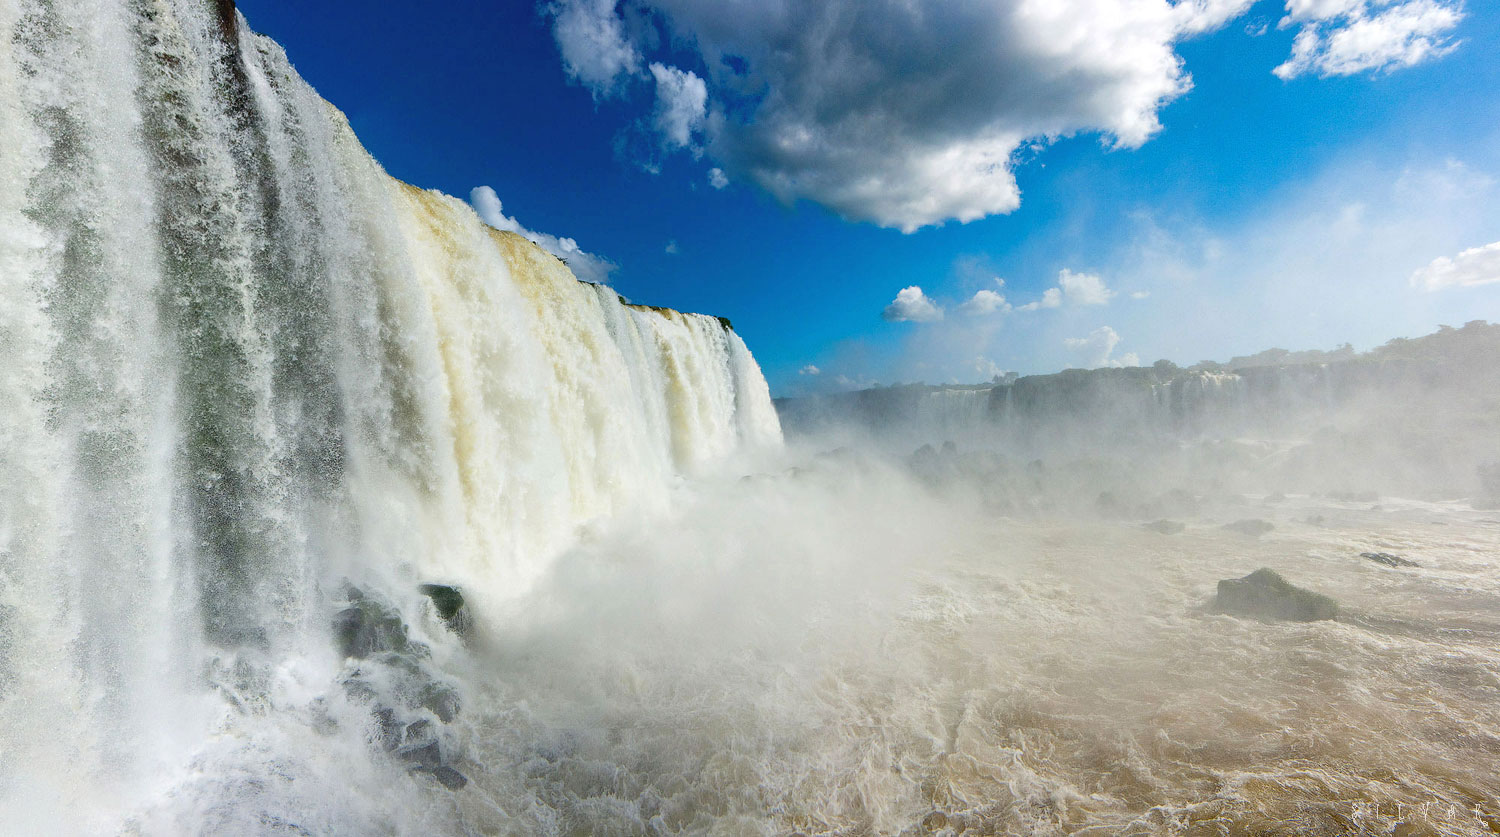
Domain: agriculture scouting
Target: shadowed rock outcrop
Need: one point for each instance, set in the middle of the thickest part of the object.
(1264, 594)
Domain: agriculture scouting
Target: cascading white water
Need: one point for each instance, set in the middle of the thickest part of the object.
(240, 365)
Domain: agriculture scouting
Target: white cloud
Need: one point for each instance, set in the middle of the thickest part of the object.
(1140, 294)
(912, 306)
(681, 105)
(1474, 266)
(988, 370)
(809, 370)
(907, 113)
(717, 178)
(672, 247)
(586, 266)
(1344, 37)
(1301, 270)
(1083, 288)
(595, 49)
(1074, 289)
(1304, 270)
(984, 302)
(1097, 349)
(1051, 298)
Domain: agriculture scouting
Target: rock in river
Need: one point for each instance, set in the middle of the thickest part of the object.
(1264, 594)
(1388, 559)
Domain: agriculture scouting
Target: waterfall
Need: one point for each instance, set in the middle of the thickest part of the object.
(241, 365)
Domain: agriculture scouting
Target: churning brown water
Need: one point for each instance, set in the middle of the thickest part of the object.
(891, 665)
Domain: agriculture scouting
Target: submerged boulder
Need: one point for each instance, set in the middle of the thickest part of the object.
(1264, 594)
(1165, 527)
(1388, 559)
(1254, 527)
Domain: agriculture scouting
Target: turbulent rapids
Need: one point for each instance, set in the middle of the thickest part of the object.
(326, 509)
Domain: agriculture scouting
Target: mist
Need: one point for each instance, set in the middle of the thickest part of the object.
(332, 505)
(998, 610)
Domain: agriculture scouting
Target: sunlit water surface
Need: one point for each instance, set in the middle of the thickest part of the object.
(809, 654)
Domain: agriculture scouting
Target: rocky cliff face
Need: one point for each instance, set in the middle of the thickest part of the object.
(1417, 413)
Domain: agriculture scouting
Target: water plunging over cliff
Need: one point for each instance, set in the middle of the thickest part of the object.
(242, 364)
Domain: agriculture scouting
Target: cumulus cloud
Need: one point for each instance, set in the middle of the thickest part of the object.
(912, 306)
(1474, 266)
(1074, 289)
(906, 113)
(809, 370)
(1083, 288)
(594, 45)
(1051, 298)
(586, 266)
(717, 178)
(1344, 37)
(1098, 348)
(681, 105)
(984, 302)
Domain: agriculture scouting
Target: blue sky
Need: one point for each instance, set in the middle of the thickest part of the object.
(1270, 200)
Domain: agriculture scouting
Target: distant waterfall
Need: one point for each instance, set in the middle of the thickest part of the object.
(239, 363)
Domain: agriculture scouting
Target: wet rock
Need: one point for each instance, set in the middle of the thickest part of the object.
(420, 730)
(389, 727)
(442, 699)
(448, 603)
(424, 752)
(393, 675)
(367, 627)
(449, 778)
(1264, 594)
(1165, 527)
(428, 755)
(1388, 559)
(1253, 527)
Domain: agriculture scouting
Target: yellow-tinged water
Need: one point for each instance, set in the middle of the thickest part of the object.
(892, 665)
(251, 383)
